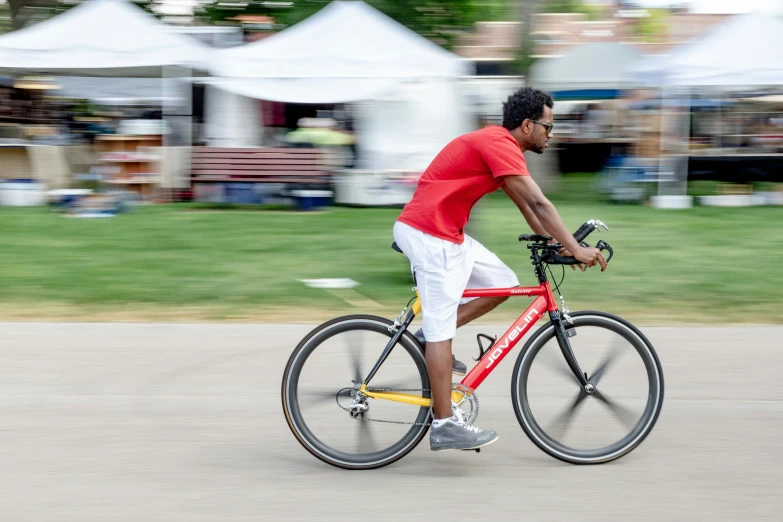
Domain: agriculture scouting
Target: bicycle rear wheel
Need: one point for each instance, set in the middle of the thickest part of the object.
(615, 417)
(319, 383)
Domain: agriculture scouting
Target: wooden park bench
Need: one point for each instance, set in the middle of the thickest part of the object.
(293, 168)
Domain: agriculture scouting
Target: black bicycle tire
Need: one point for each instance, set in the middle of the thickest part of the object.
(407, 342)
(541, 337)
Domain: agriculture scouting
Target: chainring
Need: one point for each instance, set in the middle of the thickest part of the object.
(464, 403)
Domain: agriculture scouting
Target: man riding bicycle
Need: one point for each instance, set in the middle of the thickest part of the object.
(446, 261)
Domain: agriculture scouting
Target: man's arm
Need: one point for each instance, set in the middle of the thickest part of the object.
(527, 212)
(535, 224)
(525, 192)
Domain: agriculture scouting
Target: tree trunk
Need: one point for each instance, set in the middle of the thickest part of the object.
(20, 16)
(526, 9)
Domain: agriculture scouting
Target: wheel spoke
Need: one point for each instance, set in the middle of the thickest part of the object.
(354, 348)
(320, 397)
(365, 442)
(552, 362)
(559, 426)
(334, 354)
(614, 353)
(623, 414)
(598, 432)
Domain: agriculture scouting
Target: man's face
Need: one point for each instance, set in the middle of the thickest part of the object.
(539, 137)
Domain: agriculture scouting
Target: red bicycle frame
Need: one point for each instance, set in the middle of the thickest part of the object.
(544, 302)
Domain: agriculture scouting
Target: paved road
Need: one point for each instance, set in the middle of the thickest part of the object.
(139, 422)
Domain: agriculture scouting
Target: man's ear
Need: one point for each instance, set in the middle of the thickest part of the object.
(525, 127)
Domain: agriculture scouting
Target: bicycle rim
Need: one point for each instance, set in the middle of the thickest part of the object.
(317, 427)
(540, 429)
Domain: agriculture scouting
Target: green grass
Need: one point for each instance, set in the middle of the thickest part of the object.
(180, 262)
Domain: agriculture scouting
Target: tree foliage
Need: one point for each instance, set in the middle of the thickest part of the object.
(28, 12)
(438, 20)
(5, 18)
(653, 28)
(593, 12)
(25, 11)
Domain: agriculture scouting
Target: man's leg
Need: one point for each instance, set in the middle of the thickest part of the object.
(448, 431)
(441, 275)
(438, 355)
(476, 308)
(466, 313)
(488, 271)
(438, 358)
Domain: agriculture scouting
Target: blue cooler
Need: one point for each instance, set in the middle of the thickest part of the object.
(312, 199)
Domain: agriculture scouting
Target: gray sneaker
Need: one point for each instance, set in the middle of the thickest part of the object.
(455, 435)
(457, 367)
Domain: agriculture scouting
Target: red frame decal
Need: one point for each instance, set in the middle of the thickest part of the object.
(543, 303)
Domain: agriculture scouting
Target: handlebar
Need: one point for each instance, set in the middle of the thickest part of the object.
(550, 254)
(553, 258)
(587, 228)
(556, 259)
(603, 245)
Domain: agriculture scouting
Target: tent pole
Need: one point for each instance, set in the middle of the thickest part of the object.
(165, 124)
(683, 179)
(720, 124)
(662, 141)
(163, 104)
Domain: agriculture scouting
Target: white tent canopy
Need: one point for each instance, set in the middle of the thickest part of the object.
(304, 90)
(100, 38)
(350, 52)
(742, 51)
(591, 66)
(342, 40)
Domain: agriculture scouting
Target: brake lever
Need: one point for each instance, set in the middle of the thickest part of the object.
(598, 224)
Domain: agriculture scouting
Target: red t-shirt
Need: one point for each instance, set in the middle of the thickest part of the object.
(462, 173)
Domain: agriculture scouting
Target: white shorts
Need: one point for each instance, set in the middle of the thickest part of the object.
(443, 271)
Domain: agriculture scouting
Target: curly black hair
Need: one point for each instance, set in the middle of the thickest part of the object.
(523, 104)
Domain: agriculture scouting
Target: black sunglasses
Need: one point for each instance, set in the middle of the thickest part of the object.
(547, 126)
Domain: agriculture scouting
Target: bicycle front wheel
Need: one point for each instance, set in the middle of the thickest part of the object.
(320, 384)
(612, 418)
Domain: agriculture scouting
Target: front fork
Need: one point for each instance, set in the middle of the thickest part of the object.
(565, 347)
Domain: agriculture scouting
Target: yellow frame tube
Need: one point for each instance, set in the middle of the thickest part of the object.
(407, 398)
(416, 306)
